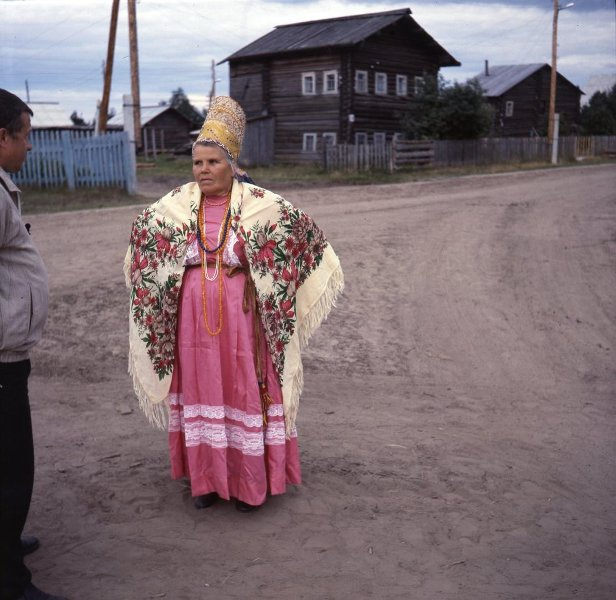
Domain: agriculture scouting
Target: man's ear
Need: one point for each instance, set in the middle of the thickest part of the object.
(4, 135)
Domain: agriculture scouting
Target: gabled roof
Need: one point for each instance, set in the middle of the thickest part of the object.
(502, 78)
(49, 115)
(148, 113)
(337, 32)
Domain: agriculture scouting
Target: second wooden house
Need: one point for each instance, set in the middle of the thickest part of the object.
(343, 80)
(162, 127)
(520, 95)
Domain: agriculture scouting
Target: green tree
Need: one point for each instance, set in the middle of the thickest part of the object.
(598, 117)
(423, 119)
(448, 111)
(179, 100)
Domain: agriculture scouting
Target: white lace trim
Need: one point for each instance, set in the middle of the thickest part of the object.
(218, 435)
(229, 257)
(203, 410)
(275, 410)
(275, 434)
(192, 256)
(226, 435)
(219, 412)
(205, 433)
(175, 420)
(235, 414)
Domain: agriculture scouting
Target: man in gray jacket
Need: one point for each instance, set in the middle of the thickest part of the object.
(24, 297)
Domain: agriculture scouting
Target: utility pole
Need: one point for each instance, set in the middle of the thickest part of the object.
(213, 88)
(552, 108)
(103, 111)
(134, 70)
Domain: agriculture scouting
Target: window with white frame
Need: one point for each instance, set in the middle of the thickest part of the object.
(310, 142)
(509, 108)
(309, 84)
(330, 82)
(361, 82)
(329, 139)
(418, 83)
(361, 139)
(401, 85)
(380, 138)
(380, 83)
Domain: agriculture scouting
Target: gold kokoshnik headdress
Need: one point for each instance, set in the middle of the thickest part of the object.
(224, 125)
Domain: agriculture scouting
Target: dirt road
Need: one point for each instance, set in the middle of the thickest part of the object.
(457, 427)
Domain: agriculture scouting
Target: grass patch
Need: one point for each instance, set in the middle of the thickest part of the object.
(36, 200)
(166, 165)
(175, 170)
(180, 167)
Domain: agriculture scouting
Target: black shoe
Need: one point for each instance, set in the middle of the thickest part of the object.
(29, 544)
(244, 507)
(33, 593)
(206, 500)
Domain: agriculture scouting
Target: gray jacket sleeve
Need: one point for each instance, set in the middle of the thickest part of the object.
(24, 288)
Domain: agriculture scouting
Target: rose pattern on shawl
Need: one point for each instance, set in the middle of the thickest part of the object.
(287, 251)
(155, 243)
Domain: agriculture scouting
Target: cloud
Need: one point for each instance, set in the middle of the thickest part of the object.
(60, 49)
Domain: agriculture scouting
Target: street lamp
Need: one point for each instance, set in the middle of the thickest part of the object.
(552, 109)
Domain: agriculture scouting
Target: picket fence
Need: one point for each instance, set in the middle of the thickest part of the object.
(79, 159)
(351, 157)
(458, 153)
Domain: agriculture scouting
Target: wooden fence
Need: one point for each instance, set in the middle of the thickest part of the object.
(459, 153)
(450, 153)
(488, 151)
(79, 159)
(350, 157)
(414, 153)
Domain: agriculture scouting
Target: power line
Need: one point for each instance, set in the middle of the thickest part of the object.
(78, 31)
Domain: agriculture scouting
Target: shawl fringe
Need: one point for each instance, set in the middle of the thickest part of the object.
(157, 413)
(311, 321)
(320, 310)
(291, 405)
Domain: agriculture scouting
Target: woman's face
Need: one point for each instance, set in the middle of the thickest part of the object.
(212, 170)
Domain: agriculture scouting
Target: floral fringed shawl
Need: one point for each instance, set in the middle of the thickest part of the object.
(296, 273)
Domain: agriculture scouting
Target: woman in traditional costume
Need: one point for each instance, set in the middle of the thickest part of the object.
(227, 281)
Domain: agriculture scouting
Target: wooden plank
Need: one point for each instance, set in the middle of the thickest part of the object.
(69, 165)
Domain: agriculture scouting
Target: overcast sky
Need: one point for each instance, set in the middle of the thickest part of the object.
(59, 46)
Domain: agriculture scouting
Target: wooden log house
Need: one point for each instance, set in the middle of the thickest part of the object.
(520, 95)
(163, 128)
(333, 81)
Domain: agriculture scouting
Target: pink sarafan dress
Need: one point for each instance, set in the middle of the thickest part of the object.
(217, 437)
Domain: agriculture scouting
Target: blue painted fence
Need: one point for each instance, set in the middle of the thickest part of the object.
(79, 159)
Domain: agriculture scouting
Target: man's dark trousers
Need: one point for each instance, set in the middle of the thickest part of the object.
(16, 475)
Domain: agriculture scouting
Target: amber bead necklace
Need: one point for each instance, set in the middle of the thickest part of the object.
(204, 250)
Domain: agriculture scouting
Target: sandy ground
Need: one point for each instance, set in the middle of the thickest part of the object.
(457, 428)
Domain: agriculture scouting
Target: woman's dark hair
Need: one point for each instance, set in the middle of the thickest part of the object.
(11, 109)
